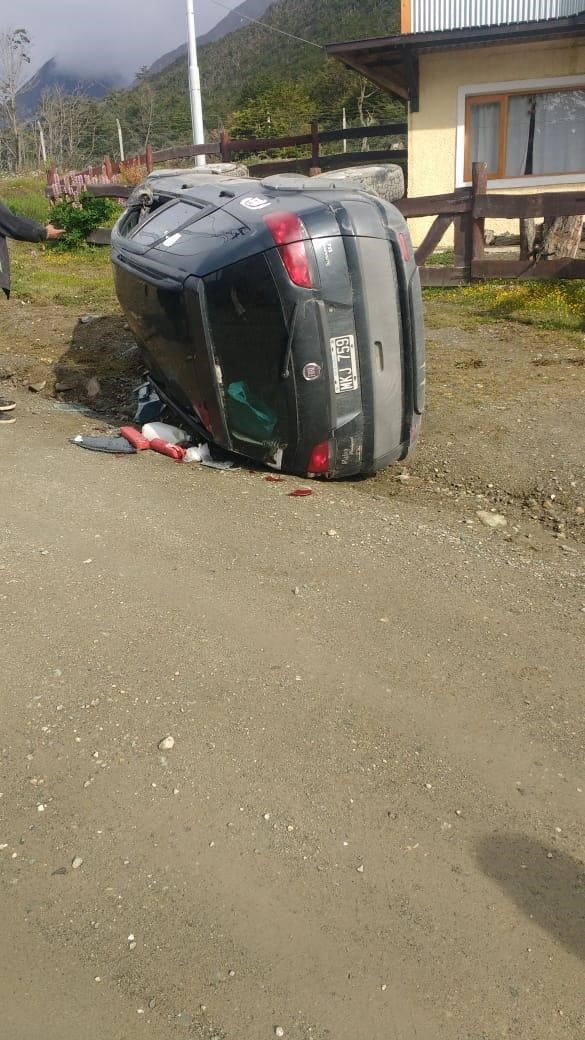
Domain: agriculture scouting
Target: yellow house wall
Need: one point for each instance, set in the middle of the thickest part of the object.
(432, 138)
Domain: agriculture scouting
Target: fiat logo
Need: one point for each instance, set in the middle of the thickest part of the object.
(311, 371)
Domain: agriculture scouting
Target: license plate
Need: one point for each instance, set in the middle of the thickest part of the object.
(345, 374)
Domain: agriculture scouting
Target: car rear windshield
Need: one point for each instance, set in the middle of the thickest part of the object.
(249, 336)
(166, 221)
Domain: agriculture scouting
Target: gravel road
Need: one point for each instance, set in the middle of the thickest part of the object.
(370, 824)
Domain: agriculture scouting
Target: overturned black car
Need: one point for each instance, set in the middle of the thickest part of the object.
(281, 319)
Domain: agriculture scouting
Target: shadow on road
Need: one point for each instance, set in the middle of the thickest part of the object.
(549, 890)
(101, 365)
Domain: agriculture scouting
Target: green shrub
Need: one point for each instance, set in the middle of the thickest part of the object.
(81, 217)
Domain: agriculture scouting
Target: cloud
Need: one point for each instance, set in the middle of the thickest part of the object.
(115, 36)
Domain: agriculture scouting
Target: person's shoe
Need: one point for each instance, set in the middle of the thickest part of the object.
(5, 419)
(7, 406)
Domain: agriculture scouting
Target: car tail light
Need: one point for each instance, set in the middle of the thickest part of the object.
(290, 235)
(404, 247)
(319, 459)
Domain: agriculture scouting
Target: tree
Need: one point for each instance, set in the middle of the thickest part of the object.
(14, 58)
(335, 88)
(559, 237)
(281, 110)
(139, 114)
(256, 87)
(365, 114)
(68, 126)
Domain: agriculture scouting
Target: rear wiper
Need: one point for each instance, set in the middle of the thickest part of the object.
(285, 373)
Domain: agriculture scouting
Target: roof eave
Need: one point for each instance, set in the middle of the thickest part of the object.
(445, 39)
(391, 62)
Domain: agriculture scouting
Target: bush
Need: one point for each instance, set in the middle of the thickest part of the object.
(81, 216)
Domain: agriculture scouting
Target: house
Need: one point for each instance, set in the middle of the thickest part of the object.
(498, 81)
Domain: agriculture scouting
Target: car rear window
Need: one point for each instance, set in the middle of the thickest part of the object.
(166, 221)
(249, 336)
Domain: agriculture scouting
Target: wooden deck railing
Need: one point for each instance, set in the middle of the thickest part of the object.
(468, 209)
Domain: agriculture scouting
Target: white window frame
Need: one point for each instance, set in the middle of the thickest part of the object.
(546, 83)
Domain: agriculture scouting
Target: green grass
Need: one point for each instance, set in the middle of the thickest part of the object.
(81, 279)
(443, 259)
(548, 305)
(25, 196)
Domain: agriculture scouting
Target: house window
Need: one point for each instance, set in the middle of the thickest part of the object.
(526, 134)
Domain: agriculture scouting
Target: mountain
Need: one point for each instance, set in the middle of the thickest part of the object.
(236, 19)
(261, 80)
(231, 23)
(233, 64)
(50, 75)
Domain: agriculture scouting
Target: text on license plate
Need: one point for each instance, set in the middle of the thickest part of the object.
(345, 372)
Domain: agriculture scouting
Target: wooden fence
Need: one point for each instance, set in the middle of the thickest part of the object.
(468, 209)
(228, 150)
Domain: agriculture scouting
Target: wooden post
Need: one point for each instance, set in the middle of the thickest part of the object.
(314, 168)
(463, 243)
(478, 187)
(108, 167)
(52, 184)
(149, 159)
(460, 241)
(225, 146)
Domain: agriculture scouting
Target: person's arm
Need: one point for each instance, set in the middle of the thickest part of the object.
(12, 226)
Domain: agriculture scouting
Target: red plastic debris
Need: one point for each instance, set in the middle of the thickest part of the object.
(174, 451)
(300, 493)
(135, 438)
(274, 480)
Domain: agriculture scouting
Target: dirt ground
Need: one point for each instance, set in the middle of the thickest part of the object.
(503, 428)
(370, 824)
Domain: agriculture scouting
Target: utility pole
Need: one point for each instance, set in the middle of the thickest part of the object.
(194, 83)
(121, 140)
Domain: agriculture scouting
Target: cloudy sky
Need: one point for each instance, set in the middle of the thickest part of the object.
(106, 35)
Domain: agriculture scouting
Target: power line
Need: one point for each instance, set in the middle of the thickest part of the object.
(265, 25)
